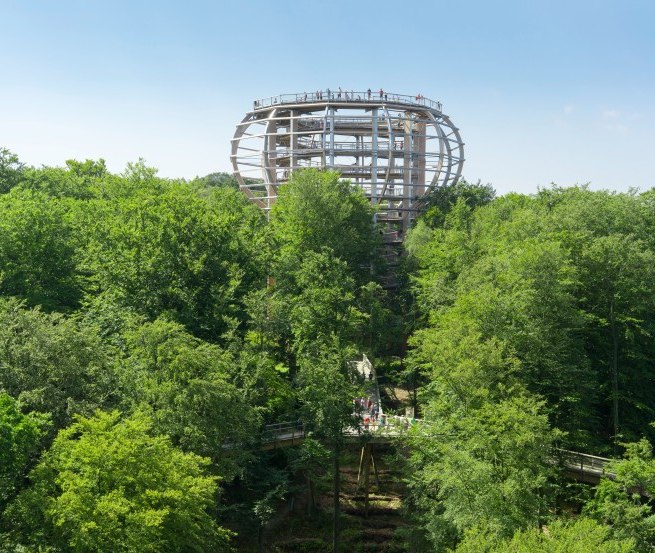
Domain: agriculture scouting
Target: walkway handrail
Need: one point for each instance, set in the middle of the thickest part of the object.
(346, 96)
(384, 425)
(397, 425)
(584, 461)
(283, 430)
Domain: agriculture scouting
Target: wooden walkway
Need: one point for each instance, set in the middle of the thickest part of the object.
(578, 466)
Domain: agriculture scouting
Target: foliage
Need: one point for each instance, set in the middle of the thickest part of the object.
(217, 180)
(581, 536)
(187, 387)
(624, 502)
(327, 385)
(564, 279)
(317, 210)
(440, 201)
(176, 253)
(486, 466)
(109, 485)
(179, 304)
(11, 170)
(20, 438)
(52, 364)
(37, 250)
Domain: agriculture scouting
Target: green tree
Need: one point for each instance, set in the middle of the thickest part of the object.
(312, 459)
(20, 438)
(327, 386)
(109, 484)
(78, 180)
(624, 501)
(37, 250)
(11, 170)
(323, 304)
(486, 467)
(620, 274)
(316, 210)
(564, 279)
(191, 391)
(163, 249)
(217, 180)
(441, 200)
(581, 536)
(52, 364)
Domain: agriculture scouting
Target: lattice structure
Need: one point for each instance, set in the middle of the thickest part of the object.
(394, 147)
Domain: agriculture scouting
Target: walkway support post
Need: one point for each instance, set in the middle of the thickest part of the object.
(367, 472)
(336, 492)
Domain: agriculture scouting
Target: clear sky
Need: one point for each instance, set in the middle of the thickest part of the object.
(543, 91)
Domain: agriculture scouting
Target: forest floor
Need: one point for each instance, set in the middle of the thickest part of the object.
(376, 528)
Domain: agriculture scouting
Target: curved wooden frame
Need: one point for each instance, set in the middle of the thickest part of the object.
(395, 147)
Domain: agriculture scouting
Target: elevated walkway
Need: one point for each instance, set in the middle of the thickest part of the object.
(578, 466)
(384, 428)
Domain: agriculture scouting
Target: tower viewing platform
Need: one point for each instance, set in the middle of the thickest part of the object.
(347, 96)
(395, 147)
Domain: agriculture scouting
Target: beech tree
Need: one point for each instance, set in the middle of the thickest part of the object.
(189, 389)
(20, 440)
(563, 278)
(624, 501)
(317, 210)
(109, 484)
(52, 364)
(163, 249)
(580, 536)
(11, 170)
(327, 386)
(37, 250)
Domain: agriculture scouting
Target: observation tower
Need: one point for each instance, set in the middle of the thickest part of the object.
(394, 147)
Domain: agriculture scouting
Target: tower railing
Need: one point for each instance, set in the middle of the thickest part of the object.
(346, 96)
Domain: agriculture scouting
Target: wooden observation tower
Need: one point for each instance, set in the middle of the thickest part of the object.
(394, 147)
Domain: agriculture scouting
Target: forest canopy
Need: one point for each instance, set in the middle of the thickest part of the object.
(151, 328)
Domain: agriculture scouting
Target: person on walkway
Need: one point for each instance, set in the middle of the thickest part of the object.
(381, 94)
(369, 93)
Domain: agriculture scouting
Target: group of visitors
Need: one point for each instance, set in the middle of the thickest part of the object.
(345, 95)
(340, 94)
(368, 410)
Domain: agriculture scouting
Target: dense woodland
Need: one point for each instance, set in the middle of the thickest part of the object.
(150, 328)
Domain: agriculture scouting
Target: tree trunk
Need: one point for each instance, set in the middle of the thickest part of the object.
(336, 490)
(260, 539)
(310, 496)
(615, 373)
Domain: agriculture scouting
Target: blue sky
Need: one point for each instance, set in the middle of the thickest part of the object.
(542, 91)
